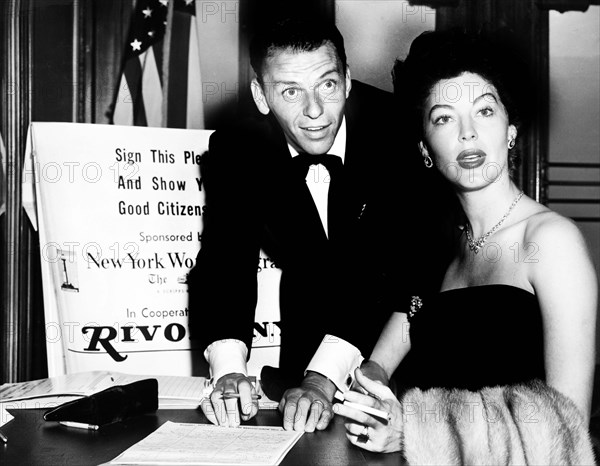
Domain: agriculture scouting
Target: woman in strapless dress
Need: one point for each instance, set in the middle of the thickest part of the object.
(497, 367)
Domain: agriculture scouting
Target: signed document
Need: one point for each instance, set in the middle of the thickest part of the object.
(207, 444)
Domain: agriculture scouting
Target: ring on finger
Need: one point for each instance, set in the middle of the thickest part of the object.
(363, 437)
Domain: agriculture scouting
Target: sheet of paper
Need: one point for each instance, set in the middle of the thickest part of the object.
(39, 402)
(203, 444)
(86, 383)
(5, 416)
(174, 392)
(82, 383)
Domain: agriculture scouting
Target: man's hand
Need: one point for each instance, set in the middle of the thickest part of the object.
(308, 407)
(224, 411)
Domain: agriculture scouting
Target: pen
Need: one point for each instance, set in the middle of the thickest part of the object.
(3, 437)
(237, 395)
(79, 425)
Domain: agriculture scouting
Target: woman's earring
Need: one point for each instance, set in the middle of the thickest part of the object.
(425, 153)
(427, 161)
(511, 143)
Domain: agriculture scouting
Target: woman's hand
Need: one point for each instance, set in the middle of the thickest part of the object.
(367, 431)
(373, 371)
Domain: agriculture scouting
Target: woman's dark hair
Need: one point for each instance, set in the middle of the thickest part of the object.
(438, 55)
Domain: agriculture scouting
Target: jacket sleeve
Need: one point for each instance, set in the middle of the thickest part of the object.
(222, 285)
(522, 424)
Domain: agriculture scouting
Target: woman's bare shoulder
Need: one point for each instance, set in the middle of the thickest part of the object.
(561, 251)
(551, 228)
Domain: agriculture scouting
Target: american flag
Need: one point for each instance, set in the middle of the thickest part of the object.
(160, 81)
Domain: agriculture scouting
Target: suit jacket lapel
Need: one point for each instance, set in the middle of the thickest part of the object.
(297, 205)
(357, 174)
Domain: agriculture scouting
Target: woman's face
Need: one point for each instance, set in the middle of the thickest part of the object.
(466, 131)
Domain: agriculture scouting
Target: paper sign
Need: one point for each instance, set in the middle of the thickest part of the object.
(120, 213)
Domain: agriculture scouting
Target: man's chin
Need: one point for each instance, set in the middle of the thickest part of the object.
(317, 147)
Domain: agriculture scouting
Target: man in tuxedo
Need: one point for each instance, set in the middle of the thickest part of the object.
(315, 182)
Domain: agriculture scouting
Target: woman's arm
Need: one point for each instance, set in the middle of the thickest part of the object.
(536, 422)
(566, 286)
(518, 424)
(393, 343)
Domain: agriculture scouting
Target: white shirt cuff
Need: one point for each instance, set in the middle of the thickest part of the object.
(336, 359)
(226, 357)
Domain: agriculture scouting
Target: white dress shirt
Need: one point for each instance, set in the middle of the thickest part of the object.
(335, 358)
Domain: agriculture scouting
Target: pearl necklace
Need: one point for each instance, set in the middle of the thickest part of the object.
(475, 246)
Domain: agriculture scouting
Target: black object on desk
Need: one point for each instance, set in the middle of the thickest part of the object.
(111, 405)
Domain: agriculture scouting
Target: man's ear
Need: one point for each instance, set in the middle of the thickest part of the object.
(423, 149)
(348, 81)
(259, 97)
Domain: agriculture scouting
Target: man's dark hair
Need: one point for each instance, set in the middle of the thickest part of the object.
(296, 34)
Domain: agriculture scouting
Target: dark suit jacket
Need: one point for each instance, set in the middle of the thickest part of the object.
(347, 285)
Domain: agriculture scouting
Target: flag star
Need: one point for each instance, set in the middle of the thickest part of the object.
(164, 2)
(151, 33)
(147, 12)
(136, 45)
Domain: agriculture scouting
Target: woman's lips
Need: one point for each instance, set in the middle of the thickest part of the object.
(471, 158)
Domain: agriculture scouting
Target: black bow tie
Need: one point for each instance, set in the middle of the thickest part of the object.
(334, 166)
(303, 161)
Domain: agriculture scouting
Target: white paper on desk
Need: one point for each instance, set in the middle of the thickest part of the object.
(174, 392)
(39, 402)
(204, 444)
(5, 416)
(86, 383)
(80, 384)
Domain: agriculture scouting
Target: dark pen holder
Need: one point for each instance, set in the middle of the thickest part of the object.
(111, 405)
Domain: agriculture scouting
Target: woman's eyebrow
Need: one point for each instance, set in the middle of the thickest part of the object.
(439, 106)
(485, 96)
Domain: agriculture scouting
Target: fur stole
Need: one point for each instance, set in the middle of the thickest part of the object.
(520, 424)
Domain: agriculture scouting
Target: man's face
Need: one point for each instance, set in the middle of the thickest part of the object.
(306, 91)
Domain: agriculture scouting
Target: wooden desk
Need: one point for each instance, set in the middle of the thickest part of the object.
(33, 441)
